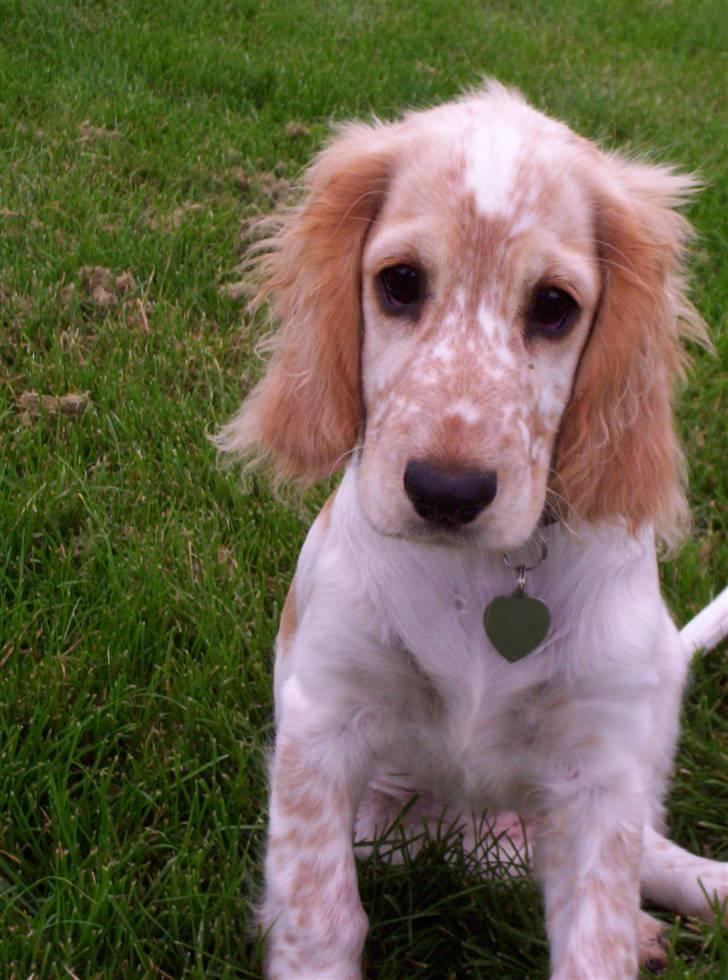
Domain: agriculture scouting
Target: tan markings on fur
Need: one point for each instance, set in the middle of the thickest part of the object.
(310, 878)
(324, 516)
(312, 910)
(432, 386)
(293, 782)
(594, 908)
(289, 621)
(292, 838)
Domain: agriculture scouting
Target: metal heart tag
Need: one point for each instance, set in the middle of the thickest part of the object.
(516, 624)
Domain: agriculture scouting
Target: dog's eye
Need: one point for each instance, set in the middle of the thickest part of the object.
(552, 311)
(400, 288)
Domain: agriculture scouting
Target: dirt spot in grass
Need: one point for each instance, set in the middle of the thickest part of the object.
(125, 283)
(170, 222)
(179, 214)
(98, 286)
(32, 406)
(66, 293)
(706, 550)
(243, 180)
(135, 313)
(265, 183)
(273, 186)
(90, 134)
(296, 129)
(14, 306)
(101, 287)
(71, 342)
(227, 564)
(426, 69)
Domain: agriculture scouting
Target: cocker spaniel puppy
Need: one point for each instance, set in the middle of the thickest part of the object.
(480, 317)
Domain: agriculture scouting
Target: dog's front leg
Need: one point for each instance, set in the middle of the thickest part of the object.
(588, 855)
(316, 925)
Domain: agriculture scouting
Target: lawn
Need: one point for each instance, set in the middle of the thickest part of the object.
(139, 587)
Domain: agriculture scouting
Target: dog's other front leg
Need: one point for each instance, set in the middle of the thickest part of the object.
(316, 925)
(588, 855)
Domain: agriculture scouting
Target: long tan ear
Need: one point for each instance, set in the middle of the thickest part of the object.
(305, 413)
(618, 455)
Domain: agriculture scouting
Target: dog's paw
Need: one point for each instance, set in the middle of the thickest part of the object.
(651, 943)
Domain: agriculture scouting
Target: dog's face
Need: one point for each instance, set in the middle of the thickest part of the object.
(481, 307)
(480, 280)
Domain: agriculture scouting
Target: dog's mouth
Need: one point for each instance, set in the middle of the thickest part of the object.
(433, 533)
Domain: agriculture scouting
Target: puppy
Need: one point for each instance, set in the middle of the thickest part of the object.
(479, 317)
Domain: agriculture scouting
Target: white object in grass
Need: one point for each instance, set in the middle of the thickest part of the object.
(709, 627)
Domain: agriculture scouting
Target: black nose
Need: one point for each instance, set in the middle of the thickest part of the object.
(448, 497)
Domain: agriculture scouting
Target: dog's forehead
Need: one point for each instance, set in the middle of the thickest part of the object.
(514, 160)
(470, 169)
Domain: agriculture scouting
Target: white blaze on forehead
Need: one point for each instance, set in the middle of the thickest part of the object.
(490, 169)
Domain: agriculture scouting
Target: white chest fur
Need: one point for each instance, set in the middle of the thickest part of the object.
(391, 639)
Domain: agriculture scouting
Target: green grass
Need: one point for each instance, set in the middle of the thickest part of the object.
(139, 588)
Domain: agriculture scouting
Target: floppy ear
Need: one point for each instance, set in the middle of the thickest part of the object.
(618, 455)
(305, 413)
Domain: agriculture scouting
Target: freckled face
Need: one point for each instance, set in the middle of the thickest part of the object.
(476, 309)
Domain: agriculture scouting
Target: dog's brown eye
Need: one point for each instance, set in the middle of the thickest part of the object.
(400, 287)
(552, 311)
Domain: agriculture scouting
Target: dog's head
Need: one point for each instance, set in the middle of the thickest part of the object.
(485, 309)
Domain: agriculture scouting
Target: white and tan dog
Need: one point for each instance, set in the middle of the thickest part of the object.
(480, 314)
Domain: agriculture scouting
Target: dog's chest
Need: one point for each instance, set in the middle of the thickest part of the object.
(478, 727)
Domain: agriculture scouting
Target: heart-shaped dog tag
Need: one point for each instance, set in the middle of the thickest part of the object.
(516, 624)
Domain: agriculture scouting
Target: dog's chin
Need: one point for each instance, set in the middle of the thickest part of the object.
(481, 535)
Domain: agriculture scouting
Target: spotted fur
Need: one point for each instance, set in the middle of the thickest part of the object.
(386, 685)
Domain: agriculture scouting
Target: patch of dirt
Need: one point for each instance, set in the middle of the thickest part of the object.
(273, 186)
(31, 405)
(169, 222)
(241, 179)
(103, 289)
(90, 134)
(97, 283)
(135, 313)
(296, 129)
(125, 283)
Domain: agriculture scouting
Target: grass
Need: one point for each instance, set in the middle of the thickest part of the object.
(139, 589)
